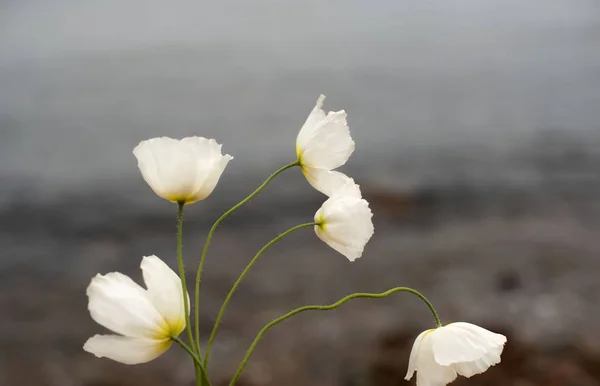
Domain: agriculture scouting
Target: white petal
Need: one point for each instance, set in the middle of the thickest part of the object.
(349, 252)
(178, 169)
(164, 290)
(148, 166)
(210, 165)
(126, 350)
(184, 170)
(468, 369)
(466, 342)
(414, 354)
(324, 180)
(119, 304)
(348, 189)
(175, 172)
(438, 356)
(491, 337)
(345, 222)
(429, 372)
(329, 145)
(307, 131)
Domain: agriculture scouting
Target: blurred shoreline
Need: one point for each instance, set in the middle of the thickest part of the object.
(533, 272)
(491, 248)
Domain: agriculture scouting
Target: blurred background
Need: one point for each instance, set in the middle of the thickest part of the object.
(477, 129)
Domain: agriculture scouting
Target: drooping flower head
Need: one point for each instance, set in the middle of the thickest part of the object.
(439, 355)
(345, 221)
(185, 170)
(324, 144)
(144, 319)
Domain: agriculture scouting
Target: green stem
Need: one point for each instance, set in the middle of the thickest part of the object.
(186, 304)
(197, 361)
(239, 280)
(209, 238)
(323, 308)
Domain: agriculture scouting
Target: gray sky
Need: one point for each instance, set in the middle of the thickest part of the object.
(40, 28)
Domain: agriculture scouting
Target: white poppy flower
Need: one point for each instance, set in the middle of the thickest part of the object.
(144, 319)
(324, 144)
(345, 221)
(185, 170)
(440, 354)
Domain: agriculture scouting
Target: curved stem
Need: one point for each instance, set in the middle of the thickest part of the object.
(186, 304)
(324, 308)
(239, 280)
(209, 238)
(197, 361)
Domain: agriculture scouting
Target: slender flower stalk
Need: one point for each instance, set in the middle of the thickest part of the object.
(209, 238)
(186, 302)
(197, 360)
(266, 328)
(239, 280)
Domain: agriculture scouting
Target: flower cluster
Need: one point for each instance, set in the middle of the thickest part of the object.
(147, 321)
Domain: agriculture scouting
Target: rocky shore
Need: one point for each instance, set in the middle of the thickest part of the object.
(530, 273)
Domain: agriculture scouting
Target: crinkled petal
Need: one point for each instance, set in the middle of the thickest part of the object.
(347, 240)
(210, 165)
(121, 305)
(350, 252)
(466, 342)
(468, 369)
(330, 144)
(325, 181)
(429, 372)
(307, 131)
(164, 290)
(414, 355)
(348, 189)
(127, 350)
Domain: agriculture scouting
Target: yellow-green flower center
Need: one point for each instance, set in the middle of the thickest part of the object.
(320, 220)
(299, 153)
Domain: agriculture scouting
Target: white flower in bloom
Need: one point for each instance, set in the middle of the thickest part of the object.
(184, 170)
(440, 354)
(144, 319)
(324, 144)
(345, 221)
